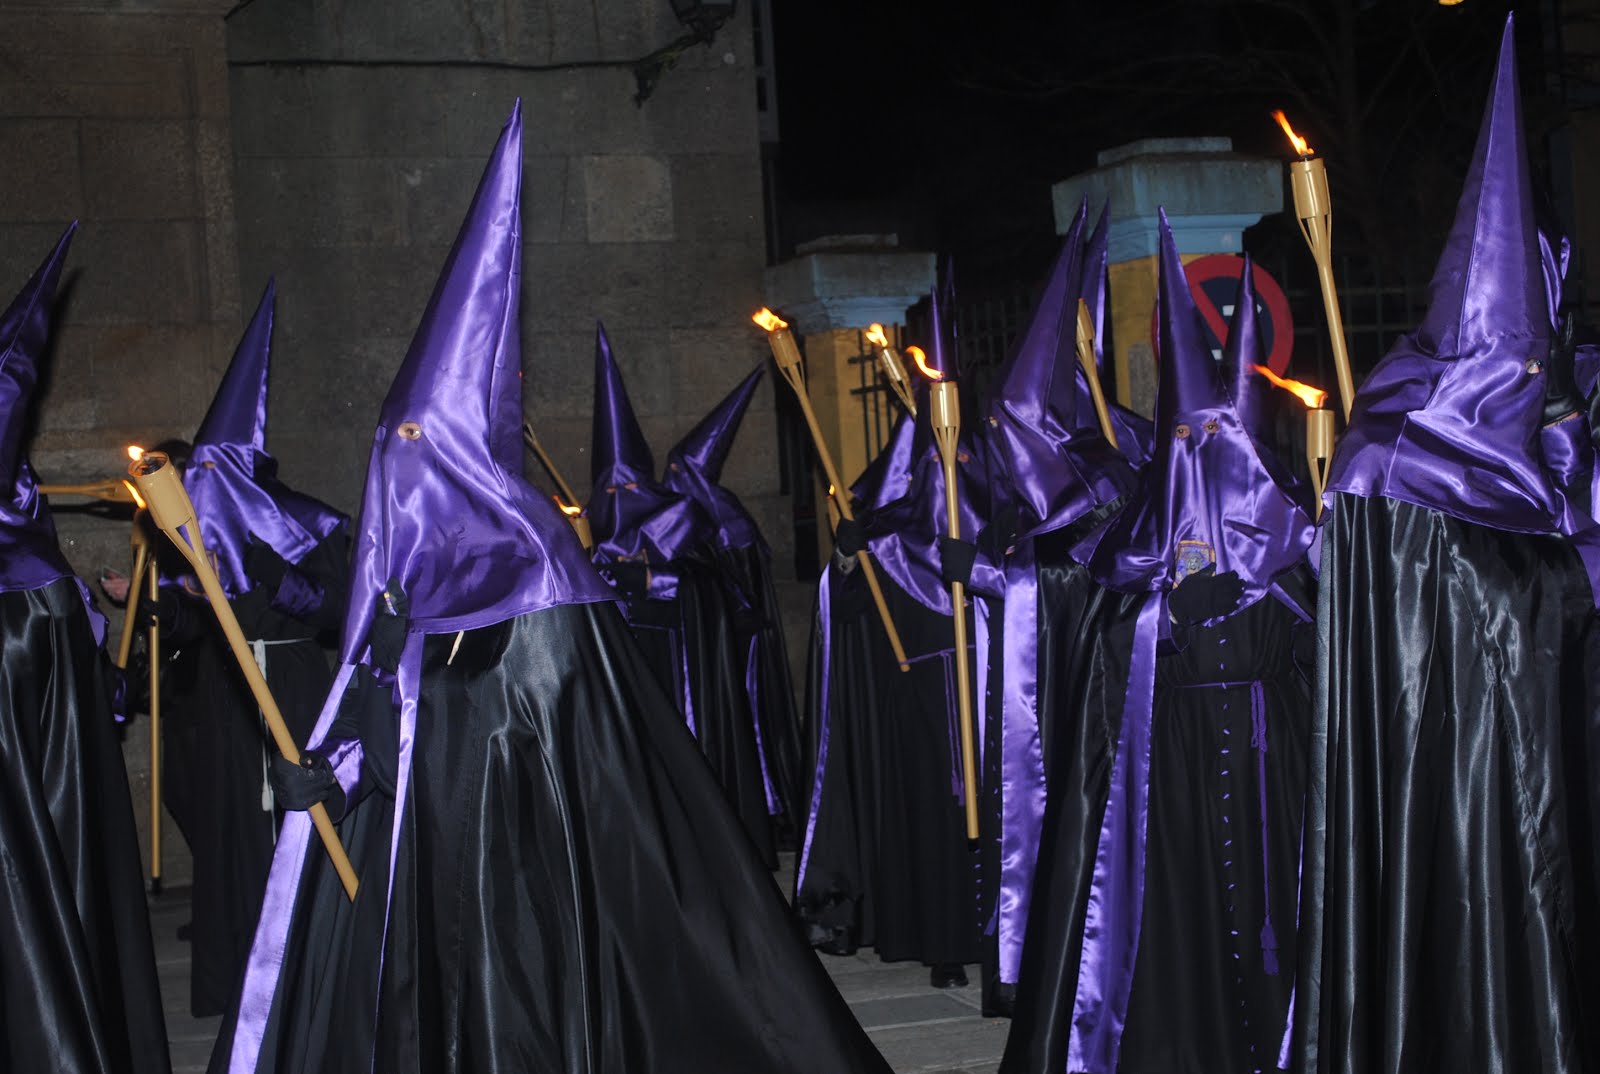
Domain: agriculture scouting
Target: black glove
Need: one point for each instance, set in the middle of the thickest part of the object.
(162, 612)
(301, 786)
(955, 560)
(848, 537)
(631, 578)
(1204, 595)
(1561, 396)
(263, 564)
(387, 635)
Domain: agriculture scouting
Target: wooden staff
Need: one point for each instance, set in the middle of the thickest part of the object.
(572, 508)
(154, 643)
(163, 490)
(1308, 180)
(944, 401)
(787, 355)
(894, 370)
(1091, 370)
(112, 490)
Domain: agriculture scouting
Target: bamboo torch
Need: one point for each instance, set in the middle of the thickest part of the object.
(154, 643)
(787, 356)
(1319, 428)
(894, 370)
(158, 482)
(944, 402)
(1308, 179)
(572, 507)
(113, 490)
(1091, 370)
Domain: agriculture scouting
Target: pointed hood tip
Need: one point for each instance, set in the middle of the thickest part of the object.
(618, 444)
(705, 448)
(238, 411)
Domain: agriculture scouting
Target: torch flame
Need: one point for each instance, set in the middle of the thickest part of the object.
(1314, 398)
(769, 320)
(138, 500)
(135, 452)
(875, 334)
(571, 511)
(921, 359)
(1301, 146)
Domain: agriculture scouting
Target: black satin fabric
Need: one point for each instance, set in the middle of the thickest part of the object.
(697, 633)
(214, 747)
(78, 987)
(1451, 903)
(889, 864)
(572, 892)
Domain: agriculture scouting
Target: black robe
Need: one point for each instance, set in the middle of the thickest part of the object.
(215, 752)
(572, 892)
(78, 988)
(1451, 910)
(1205, 995)
(886, 862)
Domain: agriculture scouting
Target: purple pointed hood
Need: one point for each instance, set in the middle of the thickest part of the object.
(232, 479)
(29, 554)
(446, 509)
(1206, 497)
(1135, 434)
(1044, 457)
(1450, 419)
(888, 476)
(694, 466)
(631, 514)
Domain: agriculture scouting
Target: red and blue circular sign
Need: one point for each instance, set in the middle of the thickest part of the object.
(1214, 282)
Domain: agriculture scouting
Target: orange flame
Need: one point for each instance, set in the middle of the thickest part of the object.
(1301, 146)
(769, 320)
(135, 452)
(921, 359)
(138, 500)
(875, 334)
(570, 511)
(1314, 398)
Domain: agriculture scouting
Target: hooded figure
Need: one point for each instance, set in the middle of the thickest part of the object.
(1449, 917)
(1169, 852)
(694, 469)
(1054, 477)
(885, 861)
(551, 879)
(658, 547)
(281, 557)
(77, 969)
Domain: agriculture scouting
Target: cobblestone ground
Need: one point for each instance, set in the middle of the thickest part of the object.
(920, 1030)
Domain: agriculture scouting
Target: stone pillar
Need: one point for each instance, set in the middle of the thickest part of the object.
(833, 291)
(1211, 194)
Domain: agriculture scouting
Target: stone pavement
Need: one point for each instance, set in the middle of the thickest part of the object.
(919, 1029)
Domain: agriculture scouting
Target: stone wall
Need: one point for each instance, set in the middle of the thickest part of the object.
(354, 170)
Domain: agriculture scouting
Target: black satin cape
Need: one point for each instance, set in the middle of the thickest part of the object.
(885, 861)
(215, 747)
(78, 988)
(572, 892)
(698, 652)
(1451, 906)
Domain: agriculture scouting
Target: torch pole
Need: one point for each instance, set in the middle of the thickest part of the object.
(1319, 450)
(141, 550)
(112, 490)
(894, 370)
(154, 642)
(944, 401)
(163, 490)
(549, 465)
(787, 355)
(1308, 179)
(1091, 370)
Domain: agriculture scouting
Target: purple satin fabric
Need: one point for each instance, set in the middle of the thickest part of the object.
(447, 512)
(1116, 892)
(752, 690)
(1022, 770)
(824, 716)
(694, 468)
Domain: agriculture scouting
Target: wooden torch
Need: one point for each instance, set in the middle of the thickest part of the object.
(944, 414)
(1091, 370)
(894, 370)
(1319, 428)
(1308, 180)
(571, 506)
(158, 482)
(787, 355)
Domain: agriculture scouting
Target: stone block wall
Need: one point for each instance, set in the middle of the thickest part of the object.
(360, 130)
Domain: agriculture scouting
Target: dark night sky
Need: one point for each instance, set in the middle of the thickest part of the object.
(948, 120)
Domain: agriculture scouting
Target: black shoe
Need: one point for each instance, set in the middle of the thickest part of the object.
(947, 975)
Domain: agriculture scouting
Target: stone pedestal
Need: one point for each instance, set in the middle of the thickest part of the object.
(830, 294)
(1210, 193)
